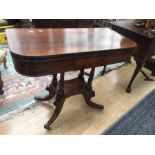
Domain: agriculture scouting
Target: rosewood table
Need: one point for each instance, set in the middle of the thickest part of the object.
(39, 52)
(145, 45)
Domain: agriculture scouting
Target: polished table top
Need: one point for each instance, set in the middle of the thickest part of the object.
(140, 34)
(132, 25)
(60, 42)
(38, 52)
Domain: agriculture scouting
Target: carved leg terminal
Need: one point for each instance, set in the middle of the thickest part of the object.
(60, 99)
(51, 89)
(89, 93)
(59, 105)
(137, 70)
(87, 97)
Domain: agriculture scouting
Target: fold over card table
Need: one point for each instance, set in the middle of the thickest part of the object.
(39, 52)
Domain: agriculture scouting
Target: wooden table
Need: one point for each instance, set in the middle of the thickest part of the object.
(145, 45)
(38, 52)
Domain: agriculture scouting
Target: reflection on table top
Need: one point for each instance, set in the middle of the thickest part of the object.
(53, 42)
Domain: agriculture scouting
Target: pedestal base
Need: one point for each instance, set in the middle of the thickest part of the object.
(69, 88)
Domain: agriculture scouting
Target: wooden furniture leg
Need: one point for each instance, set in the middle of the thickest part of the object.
(104, 69)
(60, 99)
(89, 93)
(150, 64)
(87, 97)
(146, 76)
(81, 75)
(70, 88)
(51, 89)
(1, 85)
(137, 70)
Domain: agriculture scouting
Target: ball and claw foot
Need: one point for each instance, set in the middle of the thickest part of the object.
(128, 90)
(47, 126)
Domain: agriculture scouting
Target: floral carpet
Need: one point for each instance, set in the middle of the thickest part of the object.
(19, 91)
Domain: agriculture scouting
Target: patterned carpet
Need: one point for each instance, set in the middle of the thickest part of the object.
(138, 121)
(19, 91)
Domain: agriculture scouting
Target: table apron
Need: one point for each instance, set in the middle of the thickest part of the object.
(44, 67)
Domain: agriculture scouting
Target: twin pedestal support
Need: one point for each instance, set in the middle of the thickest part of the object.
(64, 89)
